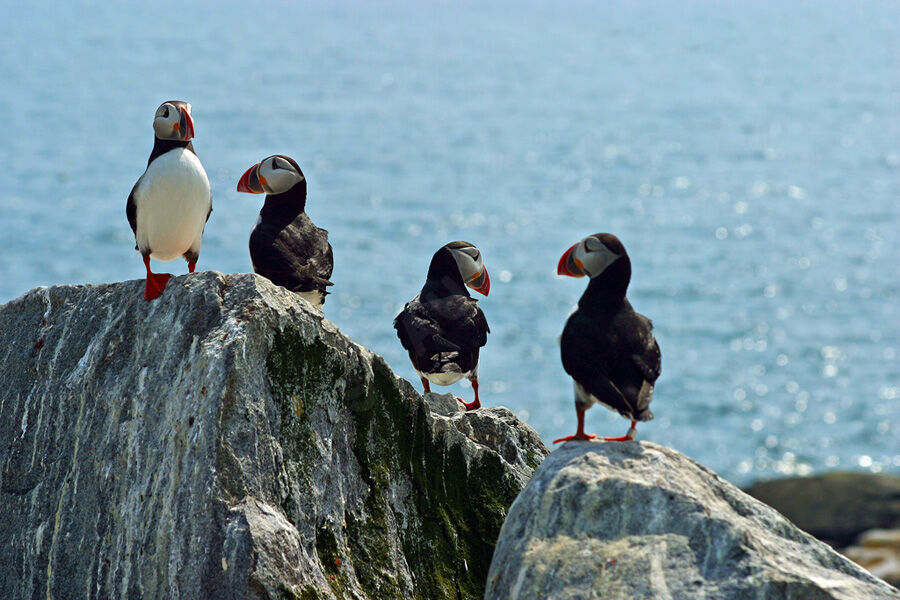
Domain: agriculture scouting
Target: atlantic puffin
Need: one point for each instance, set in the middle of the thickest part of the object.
(285, 246)
(443, 328)
(169, 205)
(607, 347)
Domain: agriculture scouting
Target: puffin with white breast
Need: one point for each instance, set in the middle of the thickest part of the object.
(169, 205)
(285, 246)
(607, 347)
(443, 328)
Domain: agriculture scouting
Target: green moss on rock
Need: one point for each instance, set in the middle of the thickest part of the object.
(454, 510)
(296, 370)
(286, 592)
(460, 507)
(308, 593)
(530, 458)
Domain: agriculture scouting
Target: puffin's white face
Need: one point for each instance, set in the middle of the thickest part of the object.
(474, 274)
(588, 257)
(276, 175)
(272, 175)
(173, 122)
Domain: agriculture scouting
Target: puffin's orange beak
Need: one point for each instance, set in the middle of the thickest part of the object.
(249, 182)
(569, 265)
(186, 127)
(481, 283)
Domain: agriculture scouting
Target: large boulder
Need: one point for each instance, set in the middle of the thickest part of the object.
(636, 520)
(227, 441)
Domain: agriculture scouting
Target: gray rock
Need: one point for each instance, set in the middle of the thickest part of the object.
(227, 441)
(636, 520)
(445, 405)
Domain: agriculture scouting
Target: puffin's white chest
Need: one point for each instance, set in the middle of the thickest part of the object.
(314, 297)
(448, 378)
(442, 378)
(173, 200)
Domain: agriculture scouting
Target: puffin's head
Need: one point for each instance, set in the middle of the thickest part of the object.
(468, 261)
(173, 121)
(591, 256)
(275, 174)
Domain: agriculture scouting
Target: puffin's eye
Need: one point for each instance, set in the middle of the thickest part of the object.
(275, 163)
(165, 112)
(592, 244)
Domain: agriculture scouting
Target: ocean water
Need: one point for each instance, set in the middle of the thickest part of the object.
(746, 153)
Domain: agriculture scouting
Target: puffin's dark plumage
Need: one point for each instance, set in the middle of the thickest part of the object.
(443, 328)
(285, 246)
(169, 205)
(607, 347)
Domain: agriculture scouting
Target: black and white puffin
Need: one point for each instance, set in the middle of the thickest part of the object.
(285, 246)
(169, 205)
(607, 348)
(443, 328)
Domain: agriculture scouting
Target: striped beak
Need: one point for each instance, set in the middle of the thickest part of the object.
(481, 283)
(249, 182)
(569, 265)
(186, 126)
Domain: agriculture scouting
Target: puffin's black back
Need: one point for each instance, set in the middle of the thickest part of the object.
(287, 248)
(443, 327)
(609, 349)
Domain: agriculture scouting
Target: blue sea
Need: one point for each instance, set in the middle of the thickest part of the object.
(746, 153)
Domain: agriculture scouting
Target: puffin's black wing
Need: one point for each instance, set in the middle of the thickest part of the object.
(420, 334)
(325, 263)
(616, 360)
(308, 279)
(460, 319)
(442, 330)
(131, 210)
(587, 357)
(636, 376)
(292, 258)
(636, 331)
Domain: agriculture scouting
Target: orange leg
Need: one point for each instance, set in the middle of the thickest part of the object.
(477, 402)
(624, 438)
(579, 435)
(156, 282)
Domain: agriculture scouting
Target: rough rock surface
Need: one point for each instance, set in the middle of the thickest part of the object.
(636, 520)
(227, 441)
(836, 507)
